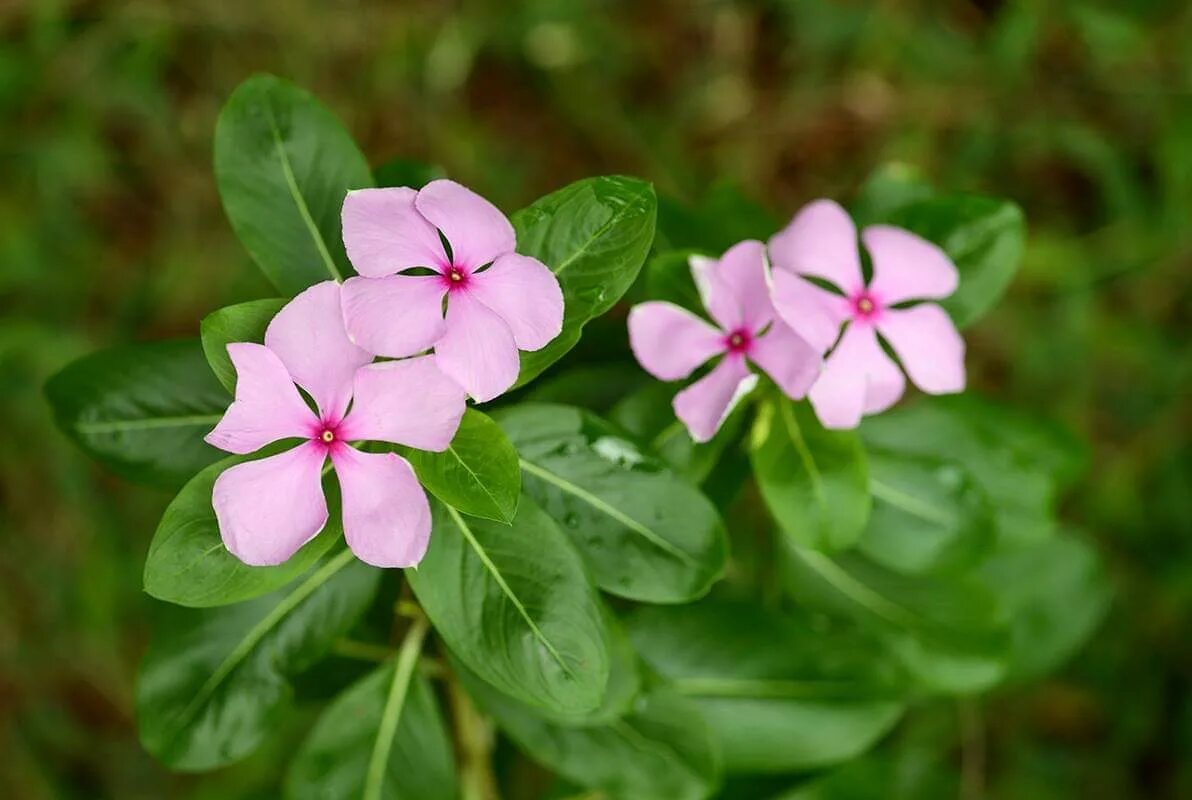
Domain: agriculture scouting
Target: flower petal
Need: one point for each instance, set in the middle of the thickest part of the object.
(268, 509)
(669, 341)
(477, 351)
(477, 230)
(812, 312)
(385, 512)
(928, 345)
(734, 288)
(384, 233)
(396, 316)
(406, 402)
(788, 359)
(858, 378)
(704, 405)
(308, 336)
(267, 405)
(821, 240)
(907, 267)
(524, 293)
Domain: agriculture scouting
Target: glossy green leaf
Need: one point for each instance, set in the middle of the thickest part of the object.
(514, 604)
(947, 631)
(243, 322)
(215, 682)
(142, 410)
(644, 533)
(814, 481)
(283, 165)
(778, 694)
(929, 515)
(188, 564)
(668, 278)
(478, 473)
(594, 235)
(384, 737)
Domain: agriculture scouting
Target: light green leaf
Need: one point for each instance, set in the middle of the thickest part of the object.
(243, 322)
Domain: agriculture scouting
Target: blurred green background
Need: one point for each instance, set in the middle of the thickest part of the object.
(111, 231)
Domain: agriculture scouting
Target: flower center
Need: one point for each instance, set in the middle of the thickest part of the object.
(738, 341)
(457, 278)
(864, 306)
(328, 436)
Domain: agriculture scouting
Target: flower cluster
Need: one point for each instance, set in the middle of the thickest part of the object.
(784, 306)
(416, 252)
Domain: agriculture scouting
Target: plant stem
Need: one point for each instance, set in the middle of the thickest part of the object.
(476, 738)
(972, 750)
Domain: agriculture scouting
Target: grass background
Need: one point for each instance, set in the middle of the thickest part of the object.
(111, 231)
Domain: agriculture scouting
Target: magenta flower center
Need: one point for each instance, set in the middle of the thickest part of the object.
(326, 434)
(455, 278)
(739, 341)
(865, 306)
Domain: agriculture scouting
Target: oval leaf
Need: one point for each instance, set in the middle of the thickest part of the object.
(814, 481)
(215, 682)
(243, 322)
(477, 474)
(142, 410)
(644, 533)
(283, 165)
(594, 235)
(513, 603)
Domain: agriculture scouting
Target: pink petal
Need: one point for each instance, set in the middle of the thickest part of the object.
(907, 267)
(477, 230)
(477, 351)
(734, 288)
(669, 341)
(821, 240)
(268, 509)
(308, 336)
(385, 512)
(928, 345)
(267, 405)
(524, 293)
(406, 402)
(704, 405)
(790, 361)
(396, 316)
(812, 312)
(384, 233)
(858, 378)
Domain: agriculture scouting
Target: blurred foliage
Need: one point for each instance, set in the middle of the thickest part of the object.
(111, 231)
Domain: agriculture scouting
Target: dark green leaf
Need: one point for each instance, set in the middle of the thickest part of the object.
(891, 187)
(778, 695)
(668, 278)
(189, 565)
(283, 165)
(594, 235)
(243, 322)
(215, 682)
(142, 410)
(644, 533)
(814, 481)
(513, 603)
(720, 219)
(596, 387)
(404, 172)
(477, 474)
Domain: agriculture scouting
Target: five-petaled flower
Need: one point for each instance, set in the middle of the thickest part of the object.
(268, 508)
(858, 377)
(497, 301)
(670, 342)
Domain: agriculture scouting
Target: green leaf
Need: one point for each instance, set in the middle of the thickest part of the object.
(890, 187)
(779, 695)
(384, 737)
(721, 218)
(669, 279)
(1019, 462)
(215, 682)
(513, 603)
(814, 481)
(189, 565)
(594, 235)
(947, 631)
(142, 410)
(478, 472)
(243, 322)
(1055, 594)
(404, 172)
(644, 533)
(283, 165)
(596, 387)
(661, 750)
(929, 515)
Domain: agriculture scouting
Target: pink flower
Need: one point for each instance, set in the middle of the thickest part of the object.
(267, 509)
(670, 342)
(497, 301)
(858, 377)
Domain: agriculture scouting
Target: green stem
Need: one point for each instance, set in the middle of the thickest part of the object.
(399, 689)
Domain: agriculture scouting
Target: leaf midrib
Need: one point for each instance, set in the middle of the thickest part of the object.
(145, 423)
(613, 220)
(761, 688)
(395, 702)
(857, 591)
(796, 436)
(910, 504)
